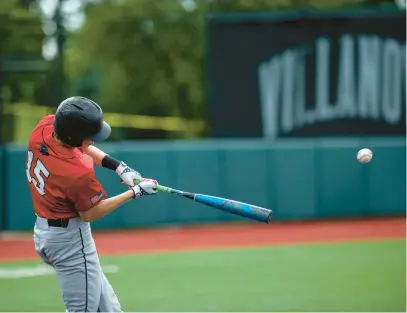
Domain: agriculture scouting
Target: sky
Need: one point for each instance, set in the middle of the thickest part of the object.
(74, 18)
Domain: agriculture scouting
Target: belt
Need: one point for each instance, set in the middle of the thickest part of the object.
(60, 222)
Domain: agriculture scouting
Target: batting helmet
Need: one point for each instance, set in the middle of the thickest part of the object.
(79, 118)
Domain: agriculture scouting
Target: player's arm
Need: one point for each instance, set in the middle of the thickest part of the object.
(105, 206)
(89, 197)
(97, 155)
(100, 158)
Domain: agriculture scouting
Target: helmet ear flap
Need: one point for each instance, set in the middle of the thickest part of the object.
(74, 143)
(66, 139)
(70, 141)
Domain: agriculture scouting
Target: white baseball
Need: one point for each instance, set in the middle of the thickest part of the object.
(364, 155)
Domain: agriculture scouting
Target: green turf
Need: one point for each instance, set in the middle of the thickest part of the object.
(332, 277)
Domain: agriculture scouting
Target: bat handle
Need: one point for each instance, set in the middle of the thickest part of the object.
(159, 187)
(164, 189)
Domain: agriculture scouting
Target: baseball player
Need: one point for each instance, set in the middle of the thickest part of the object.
(67, 196)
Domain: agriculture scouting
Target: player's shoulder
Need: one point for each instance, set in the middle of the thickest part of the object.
(70, 163)
(46, 121)
(82, 165)
(77, 175)
(83, 174)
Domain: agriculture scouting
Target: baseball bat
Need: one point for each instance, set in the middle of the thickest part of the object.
(231, 206)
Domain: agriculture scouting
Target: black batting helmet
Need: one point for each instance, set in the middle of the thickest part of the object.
(79, 118)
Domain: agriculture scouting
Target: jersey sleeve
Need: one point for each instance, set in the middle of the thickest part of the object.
(86, 191)
(47, 120)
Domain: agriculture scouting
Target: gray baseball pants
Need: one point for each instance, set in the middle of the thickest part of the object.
(72, 253)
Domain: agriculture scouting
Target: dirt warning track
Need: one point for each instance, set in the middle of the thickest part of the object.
(21, 248)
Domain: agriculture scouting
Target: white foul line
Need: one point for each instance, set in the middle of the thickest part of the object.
(11, 272)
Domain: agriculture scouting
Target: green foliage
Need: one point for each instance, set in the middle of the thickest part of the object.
(146, 56)
(20, 29)
(21, 39)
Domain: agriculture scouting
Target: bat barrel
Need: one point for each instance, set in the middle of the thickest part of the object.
(250, 211)
(235, 207)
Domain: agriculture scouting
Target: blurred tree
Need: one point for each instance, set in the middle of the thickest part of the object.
(146, 56)
(21, 40)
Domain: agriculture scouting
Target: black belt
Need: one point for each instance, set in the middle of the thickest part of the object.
(60, 222)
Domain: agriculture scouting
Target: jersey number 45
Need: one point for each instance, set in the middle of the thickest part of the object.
(39, 169)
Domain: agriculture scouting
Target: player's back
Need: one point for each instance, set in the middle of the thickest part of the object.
(53, 169)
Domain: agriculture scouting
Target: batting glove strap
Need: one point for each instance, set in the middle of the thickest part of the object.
(122, 168)
(138, 192)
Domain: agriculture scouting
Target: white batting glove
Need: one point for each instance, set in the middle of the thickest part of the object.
(148, 187)
(128, 176)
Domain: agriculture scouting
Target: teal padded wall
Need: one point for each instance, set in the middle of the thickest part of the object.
(20, 215)
(298, 179)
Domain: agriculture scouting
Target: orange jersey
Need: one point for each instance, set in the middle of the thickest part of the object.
(62, 180)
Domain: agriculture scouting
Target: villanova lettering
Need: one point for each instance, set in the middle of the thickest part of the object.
(367, 83)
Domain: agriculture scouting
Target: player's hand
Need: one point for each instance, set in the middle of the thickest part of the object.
(146, 187)
(128, 176)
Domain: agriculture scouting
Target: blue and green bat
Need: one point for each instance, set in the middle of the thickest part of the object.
(246, 210)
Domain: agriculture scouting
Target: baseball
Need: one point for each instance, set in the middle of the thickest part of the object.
(365, 155)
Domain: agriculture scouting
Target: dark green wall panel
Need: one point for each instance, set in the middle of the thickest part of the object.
(304, 179)
(386, 181)
(195, 170)
(20, 213)
(244, 176)
(341, 188)
(294, 173)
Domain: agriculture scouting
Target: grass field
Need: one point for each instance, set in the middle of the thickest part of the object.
(354, 276)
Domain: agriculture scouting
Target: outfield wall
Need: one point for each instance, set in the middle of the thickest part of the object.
(298, 179)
